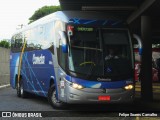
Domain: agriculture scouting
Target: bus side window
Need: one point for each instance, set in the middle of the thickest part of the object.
(61, 55)
(16, 43)
(12, 43)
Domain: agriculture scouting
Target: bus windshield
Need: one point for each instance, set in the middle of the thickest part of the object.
(100, 53)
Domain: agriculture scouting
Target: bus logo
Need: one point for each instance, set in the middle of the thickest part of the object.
(6, 114)
(38, 59)
(109, 69)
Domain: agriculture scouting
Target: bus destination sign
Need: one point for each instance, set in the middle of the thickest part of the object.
(85, 29)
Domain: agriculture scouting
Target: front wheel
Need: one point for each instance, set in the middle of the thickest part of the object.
(53, 99)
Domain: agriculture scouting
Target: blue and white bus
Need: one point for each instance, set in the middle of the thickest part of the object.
(63, 56)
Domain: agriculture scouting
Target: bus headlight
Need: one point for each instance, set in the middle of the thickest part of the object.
(77, 86)
(128, 87)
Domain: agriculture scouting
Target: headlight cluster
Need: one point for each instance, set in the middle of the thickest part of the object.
(77, 86)
(128, 87)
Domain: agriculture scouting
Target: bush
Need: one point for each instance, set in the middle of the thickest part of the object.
(4, 44)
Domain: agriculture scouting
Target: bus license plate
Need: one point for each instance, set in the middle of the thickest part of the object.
(104, 98)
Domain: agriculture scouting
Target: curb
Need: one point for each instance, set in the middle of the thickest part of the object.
(3, 86)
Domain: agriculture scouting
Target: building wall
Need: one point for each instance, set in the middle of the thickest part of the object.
(4, 66)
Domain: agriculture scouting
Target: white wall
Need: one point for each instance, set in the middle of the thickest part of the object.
(4, 66)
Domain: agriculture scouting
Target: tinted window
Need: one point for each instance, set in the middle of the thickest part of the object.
(115, 37)
(61, 56)
(102, 52)
(17, 42)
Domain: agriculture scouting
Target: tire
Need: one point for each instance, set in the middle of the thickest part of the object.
(20, 90)
(53, 100)
(24, 94)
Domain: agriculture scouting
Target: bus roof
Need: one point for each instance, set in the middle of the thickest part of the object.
(65, 16)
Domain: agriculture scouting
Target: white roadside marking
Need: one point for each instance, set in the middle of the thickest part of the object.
(3, 86)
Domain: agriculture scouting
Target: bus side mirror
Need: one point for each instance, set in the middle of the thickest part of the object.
(63, 41)
(139, 43)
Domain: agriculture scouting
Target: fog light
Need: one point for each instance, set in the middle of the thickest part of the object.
(77, 86)
(71, 95)
(128, 87)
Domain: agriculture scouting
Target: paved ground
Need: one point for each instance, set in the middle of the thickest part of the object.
(10, 102)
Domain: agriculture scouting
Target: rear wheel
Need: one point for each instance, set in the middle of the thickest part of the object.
(53, 99)
(24, 94)
(20, 90)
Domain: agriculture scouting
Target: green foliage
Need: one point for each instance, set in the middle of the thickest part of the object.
(155, 45)
(5, 44)
(46, 10)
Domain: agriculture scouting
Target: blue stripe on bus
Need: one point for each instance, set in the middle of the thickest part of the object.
(110, 22)
(32, 72)
(91, 21)
(37, 75)
(97, 84)
(14, 68)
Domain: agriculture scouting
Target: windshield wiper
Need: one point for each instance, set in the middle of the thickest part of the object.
(90, 71)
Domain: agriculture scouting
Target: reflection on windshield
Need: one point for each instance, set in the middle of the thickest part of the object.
(90, 57)
(82, 60)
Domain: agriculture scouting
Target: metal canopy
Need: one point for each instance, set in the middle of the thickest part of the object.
(124, 7)
(131, 9)
(81, 4)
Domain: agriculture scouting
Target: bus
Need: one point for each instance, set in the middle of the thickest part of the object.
(63, 57)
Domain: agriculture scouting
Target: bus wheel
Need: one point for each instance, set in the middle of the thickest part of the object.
(53, 100)
(18, 89)
(23, 93)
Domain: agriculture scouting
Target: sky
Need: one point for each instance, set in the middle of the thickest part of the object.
(16, 12)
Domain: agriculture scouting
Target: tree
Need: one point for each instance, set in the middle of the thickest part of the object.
(155, 45)
(5, 44)
(46, 10)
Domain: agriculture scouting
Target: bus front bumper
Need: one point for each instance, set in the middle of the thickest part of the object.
(92, 95)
